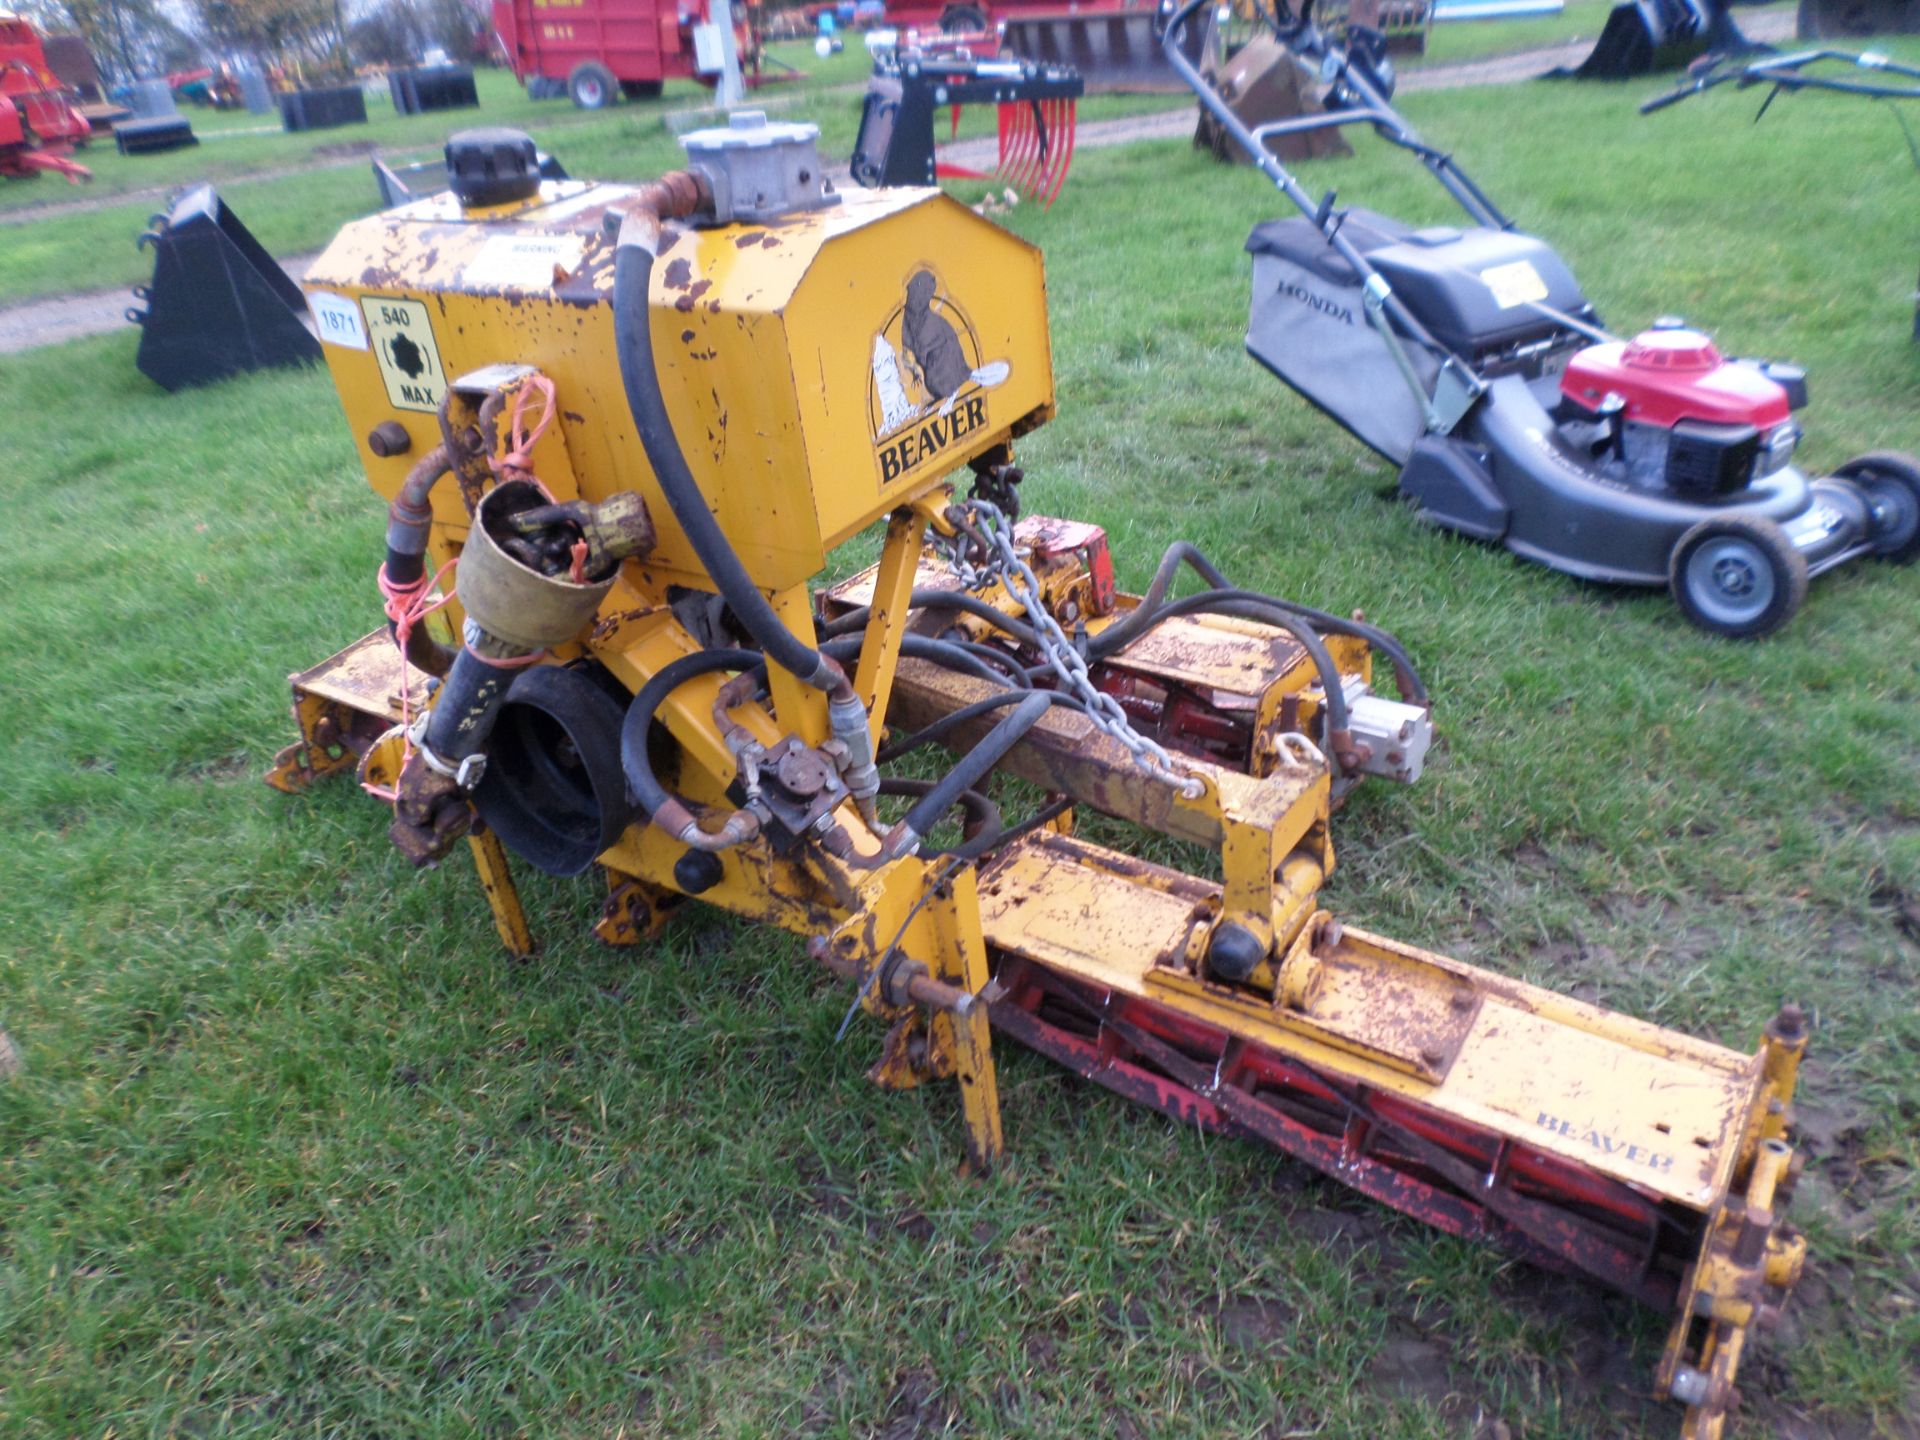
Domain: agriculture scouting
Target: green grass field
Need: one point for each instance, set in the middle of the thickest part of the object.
(296, 1151)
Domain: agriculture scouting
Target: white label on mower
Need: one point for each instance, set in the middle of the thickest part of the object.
(1819, 521)
(403, 344)
(336, 320)
(1514, 284)
(523, 262)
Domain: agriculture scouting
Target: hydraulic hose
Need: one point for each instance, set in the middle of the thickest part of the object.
(409, 518)
(972, 767)
(666, 809)
(972, 660)
(983, 827)
(680, 194)
(954, 719)
(1146, 615)
(1252, 605)
(943, 600)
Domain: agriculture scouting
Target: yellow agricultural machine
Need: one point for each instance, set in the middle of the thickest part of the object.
(621, 429)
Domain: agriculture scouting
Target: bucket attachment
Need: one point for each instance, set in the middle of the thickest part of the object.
(150, 137)
(323, 109)
(1853, 19)
(219, 304)
(1644, 36)
(1037, 104)
(1113, 52)
(432, 87)
(1264, 81)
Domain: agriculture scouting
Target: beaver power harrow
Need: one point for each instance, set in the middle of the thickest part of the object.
(634, 421)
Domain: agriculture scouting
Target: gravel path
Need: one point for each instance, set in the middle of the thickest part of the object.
(54, 319)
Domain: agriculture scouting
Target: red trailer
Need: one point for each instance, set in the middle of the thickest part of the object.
(596, 51)
(39, 121)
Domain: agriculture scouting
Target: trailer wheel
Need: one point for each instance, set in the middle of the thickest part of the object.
(1891, 482)
(641, 89)
(1737, 577)
(961, 19)
(591, 85)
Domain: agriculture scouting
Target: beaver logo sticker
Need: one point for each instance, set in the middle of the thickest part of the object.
(930, 381)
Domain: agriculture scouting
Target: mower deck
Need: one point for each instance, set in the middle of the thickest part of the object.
(1576, 1138)
(1659, 1111)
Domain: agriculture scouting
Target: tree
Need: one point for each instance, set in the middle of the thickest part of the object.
(290, 32)
(128, 38)
(399, 32)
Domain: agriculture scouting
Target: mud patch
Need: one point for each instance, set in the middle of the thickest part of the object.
(1410, 1367)
(1253, 1323)
(915, 1409)
(530, 1281)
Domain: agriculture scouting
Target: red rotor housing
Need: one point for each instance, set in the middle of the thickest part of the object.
(1666, 376)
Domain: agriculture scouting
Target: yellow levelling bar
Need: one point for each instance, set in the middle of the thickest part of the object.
(1655, 1109)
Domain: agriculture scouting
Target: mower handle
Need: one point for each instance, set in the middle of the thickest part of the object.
(1325, 120)
(1786, 72)
(1393, 313)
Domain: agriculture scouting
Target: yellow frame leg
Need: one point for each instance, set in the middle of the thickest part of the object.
(509, 919)
(955, 916)
(886, 625)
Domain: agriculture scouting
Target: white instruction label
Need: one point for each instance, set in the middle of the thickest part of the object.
(336, 320)
(1514, 284)
(523, 262)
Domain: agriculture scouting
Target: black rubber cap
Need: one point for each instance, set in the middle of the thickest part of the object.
(492, 166)
(1234, 952)
(698, 871)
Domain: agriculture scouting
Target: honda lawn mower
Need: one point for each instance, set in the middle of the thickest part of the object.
(1470, 359)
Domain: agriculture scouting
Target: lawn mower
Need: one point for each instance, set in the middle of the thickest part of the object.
(1470, 359)
(632, 423)
(1643, 36)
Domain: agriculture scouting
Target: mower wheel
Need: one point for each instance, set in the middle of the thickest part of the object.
(1738, 577)
(591, 86)
(962, 19)
(1891, 482)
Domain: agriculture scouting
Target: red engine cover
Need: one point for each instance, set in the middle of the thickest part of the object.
(1666, 376)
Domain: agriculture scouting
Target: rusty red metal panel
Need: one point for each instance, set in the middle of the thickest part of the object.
(1460, 1180)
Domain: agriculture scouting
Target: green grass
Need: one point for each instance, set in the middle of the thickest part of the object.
(295, 1151)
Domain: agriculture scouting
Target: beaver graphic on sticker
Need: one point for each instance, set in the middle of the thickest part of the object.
(933, 344)
(926, 358)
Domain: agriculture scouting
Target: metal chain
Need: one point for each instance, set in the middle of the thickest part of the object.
(986, 535)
